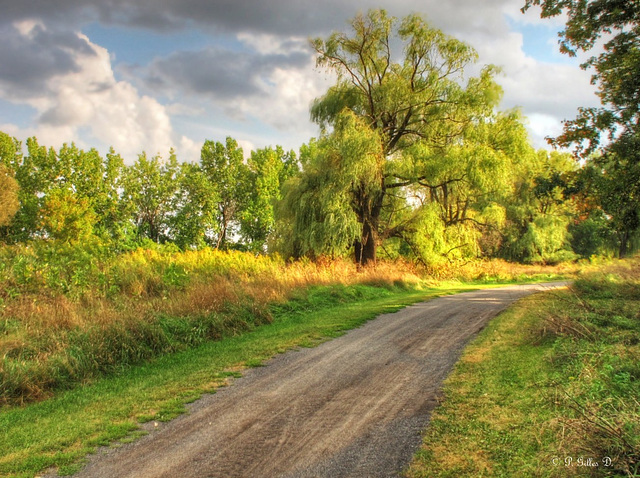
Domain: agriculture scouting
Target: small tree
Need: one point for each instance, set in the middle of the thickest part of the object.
(66, 216)
(149, 189)
(194, 221)
(268, 169)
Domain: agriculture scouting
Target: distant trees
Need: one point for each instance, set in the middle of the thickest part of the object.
(71, 195)
(488, 194)
(413, 160)
(541, 209)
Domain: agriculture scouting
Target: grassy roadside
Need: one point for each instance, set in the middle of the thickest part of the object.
(550, 388)
(60, 431)
(70, 314)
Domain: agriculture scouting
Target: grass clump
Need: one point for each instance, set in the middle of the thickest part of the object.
(549, 388)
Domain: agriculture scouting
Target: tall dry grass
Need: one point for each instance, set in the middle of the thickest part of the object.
(68, 317)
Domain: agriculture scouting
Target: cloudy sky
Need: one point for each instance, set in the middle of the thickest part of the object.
(148, 75)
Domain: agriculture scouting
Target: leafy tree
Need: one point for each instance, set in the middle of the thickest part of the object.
(268, 169)
(616, 68)
(613, 130)
(613, 180)
(9, 199)
(195, 207)
(541, 208)
(385, 121)
(111, 210)
(36, 173)
(66, 216)
(149, 189)
(223, 165)
(91, 185)
(321, 204)
(469, 185)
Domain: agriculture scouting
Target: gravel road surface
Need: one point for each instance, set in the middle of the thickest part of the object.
(354, 406)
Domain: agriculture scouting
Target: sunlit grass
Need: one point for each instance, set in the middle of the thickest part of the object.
(547, 388)
(69, 314)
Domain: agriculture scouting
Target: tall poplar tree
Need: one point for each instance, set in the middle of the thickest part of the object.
(223, 165)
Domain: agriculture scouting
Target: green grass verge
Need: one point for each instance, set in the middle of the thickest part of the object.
(549, 389)
(60, 431)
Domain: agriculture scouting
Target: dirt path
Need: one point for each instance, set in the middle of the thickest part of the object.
(354, 406)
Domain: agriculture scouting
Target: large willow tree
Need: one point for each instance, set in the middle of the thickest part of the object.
(401, 113)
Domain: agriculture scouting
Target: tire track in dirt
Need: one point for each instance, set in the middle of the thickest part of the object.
(354, 406)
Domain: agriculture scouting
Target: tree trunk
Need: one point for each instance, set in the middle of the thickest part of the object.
(365, 249)
(624, 244)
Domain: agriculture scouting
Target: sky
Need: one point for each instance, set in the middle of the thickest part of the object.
(151, 75)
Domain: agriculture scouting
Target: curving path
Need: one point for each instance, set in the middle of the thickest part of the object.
(354, 406)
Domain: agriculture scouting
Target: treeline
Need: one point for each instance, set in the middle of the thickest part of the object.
(529, 206)
(414, 160)
(73, 195)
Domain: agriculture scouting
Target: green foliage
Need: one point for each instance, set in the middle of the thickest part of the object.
(268, 170)
(71, 194)
(8, 196)
(67, 217)
(338, 172)
(149, 189)
(432, 131)
(608, 136)
(591, 236)
(226, 172)
(194, 221)
(613, 180)
(541, 209)
(615, 66)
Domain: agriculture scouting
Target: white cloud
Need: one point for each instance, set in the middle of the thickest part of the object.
(89, 98)
(542, 126)
(188, 150)
(270, 44)
(547, 93)
(286, 99)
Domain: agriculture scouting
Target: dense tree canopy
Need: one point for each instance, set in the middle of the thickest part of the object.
(71, 195)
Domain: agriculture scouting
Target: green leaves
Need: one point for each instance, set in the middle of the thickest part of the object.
(224, 168)
(149, 188)
(8, 196)
(417, 151)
